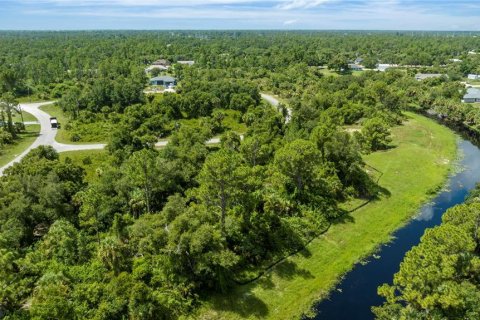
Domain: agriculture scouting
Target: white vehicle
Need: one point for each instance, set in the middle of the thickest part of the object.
(54, 122)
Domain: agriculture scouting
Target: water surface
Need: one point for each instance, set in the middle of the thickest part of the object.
(357, 293)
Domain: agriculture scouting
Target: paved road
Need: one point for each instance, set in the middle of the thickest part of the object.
(47, 134)
(274, 102)
(163, 143)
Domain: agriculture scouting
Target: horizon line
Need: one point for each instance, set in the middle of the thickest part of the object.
(245, 29)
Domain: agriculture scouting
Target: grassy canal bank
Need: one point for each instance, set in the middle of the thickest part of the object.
(413, 171)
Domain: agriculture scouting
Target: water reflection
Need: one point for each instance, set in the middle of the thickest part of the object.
(426, 214)
(357, 293)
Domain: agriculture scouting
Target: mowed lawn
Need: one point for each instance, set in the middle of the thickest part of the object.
(11, 151)
(26, 117)
(412, 172)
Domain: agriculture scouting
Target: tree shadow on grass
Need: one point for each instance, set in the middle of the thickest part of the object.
(30, 134)
(289, 269)
(245, 305)
(346, 217)
(286, 270)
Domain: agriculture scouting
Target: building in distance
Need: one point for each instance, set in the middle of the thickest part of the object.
(423, 76)
(472, 95)
(355, 67)
(186, 62)
(166, 81)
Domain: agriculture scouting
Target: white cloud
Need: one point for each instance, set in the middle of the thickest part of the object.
(140, 3)
(290, 22)
(283, 14)
(302, 4)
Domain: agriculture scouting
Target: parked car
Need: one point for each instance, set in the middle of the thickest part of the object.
(54, 122)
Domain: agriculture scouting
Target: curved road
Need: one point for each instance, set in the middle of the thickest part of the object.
(47, 134)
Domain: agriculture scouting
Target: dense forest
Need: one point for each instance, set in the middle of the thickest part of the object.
(160, 228)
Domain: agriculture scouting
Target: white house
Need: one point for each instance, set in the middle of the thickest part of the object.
(187, 62)
(474, 76)
(355, 67)
(384, 66)
(472, 96)
(423, 76)
(161, 64)
(358, 60)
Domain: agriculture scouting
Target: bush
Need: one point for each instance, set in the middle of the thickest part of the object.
(75, 137)
(5, 137)
(19, 127)
(87, 160)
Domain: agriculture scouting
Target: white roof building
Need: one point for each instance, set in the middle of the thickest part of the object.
(472, 96)
(187, 62)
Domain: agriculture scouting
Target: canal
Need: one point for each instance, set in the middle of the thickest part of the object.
(357, 293)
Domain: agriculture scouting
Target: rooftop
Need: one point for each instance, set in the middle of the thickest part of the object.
(161, 62)
(422, 76)
(472, 93)
(163, 78)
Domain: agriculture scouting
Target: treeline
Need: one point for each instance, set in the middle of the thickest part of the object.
(440, 278)
(38, 62)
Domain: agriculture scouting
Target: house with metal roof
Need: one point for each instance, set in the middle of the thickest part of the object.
(165, 81)
(423, 76)
(382, 67)
(186, 62)
(162, 63)
(472, 95)
(355, 67)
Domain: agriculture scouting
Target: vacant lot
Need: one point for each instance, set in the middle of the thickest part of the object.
(412, 171)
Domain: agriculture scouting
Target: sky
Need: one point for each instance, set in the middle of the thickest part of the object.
(448, 15)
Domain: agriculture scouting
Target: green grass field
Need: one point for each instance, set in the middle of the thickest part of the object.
(9, 152)
(90, 160)
(26, 117)
(412, 172)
